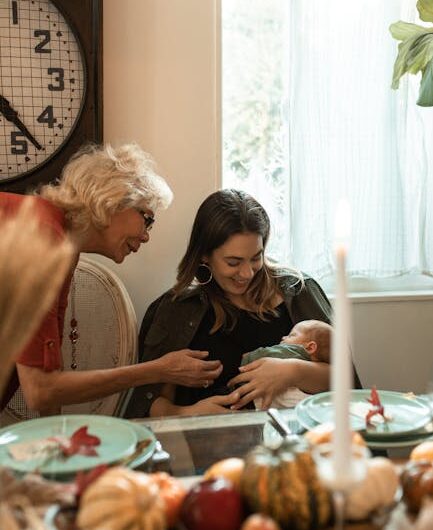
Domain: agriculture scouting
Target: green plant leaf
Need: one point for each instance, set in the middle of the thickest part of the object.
(404, 30)
(420, 53)
(413, 55)
(425, 10)
(425, 98)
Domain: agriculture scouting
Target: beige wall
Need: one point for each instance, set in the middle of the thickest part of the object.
(393, 341)
(160, 90)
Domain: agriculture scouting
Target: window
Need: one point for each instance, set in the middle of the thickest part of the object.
(309, 118)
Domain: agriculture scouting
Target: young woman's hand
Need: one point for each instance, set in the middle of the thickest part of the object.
(214, 404)
(162, 406)
(265, 378)
(188, 368)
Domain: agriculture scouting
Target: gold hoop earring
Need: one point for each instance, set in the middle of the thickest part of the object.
(203, 276)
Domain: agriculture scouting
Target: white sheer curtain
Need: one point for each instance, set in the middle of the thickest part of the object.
(339, 131)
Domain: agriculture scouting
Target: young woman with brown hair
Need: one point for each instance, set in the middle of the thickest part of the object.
(229, 299)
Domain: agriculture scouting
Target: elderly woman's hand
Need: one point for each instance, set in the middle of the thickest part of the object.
(188, 368)
(264, 378)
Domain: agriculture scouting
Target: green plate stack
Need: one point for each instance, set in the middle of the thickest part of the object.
(408, 417)
(119, 440)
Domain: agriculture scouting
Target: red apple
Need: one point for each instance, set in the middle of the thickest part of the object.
(212, 505)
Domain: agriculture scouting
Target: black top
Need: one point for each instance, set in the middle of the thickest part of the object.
(228, 347)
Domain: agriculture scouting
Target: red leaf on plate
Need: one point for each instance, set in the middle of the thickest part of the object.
(378, 408)
(374, 398)
(82, 437)
(80, 443)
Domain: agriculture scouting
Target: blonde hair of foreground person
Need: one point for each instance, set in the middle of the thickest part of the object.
(32, 269)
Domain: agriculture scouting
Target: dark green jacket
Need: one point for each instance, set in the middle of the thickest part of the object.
(170, 325)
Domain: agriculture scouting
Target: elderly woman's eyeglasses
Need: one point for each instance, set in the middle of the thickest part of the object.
(147, 218)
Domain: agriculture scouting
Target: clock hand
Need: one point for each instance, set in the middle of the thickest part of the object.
(12, 115)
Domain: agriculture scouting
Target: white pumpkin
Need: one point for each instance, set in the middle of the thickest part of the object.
(378, 489)
(122, 499)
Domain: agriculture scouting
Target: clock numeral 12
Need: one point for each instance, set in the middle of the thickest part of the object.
(18, 147)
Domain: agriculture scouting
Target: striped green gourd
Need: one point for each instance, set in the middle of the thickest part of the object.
(282, 482)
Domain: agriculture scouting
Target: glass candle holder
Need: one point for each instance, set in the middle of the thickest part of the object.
(340, 481)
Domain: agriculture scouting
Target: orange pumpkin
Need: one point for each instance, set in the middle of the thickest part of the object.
(423, 451)
(172, 492)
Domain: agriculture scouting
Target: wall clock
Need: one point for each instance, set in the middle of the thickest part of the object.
(50, 86)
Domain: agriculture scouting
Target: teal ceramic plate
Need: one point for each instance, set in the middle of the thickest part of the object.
(407, 441)
(407, 413)
(143, 434)
(301, 409)
(384, 443)
(118, 440)
(303, 417)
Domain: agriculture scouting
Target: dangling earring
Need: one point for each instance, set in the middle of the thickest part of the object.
(204, 274)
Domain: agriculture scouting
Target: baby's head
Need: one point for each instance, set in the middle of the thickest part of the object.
(314, 336)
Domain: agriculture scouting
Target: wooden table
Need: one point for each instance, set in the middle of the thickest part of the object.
(195, 443)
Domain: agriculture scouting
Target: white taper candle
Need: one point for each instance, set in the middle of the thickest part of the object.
(341, 365)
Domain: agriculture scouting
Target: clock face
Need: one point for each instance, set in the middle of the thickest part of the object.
(42, 84)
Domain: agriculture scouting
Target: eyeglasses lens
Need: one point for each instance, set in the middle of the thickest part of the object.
(148, 222)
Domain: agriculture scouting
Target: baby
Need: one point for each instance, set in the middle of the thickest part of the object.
(308, 340)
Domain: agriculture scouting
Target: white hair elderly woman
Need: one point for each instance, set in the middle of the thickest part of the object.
(105, 203)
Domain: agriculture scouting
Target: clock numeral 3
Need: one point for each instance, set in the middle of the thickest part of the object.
(47, 116)
(39, 48)
(60, 79)
(18, 147)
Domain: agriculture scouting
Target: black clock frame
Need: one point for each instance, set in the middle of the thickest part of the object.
(85, 19)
